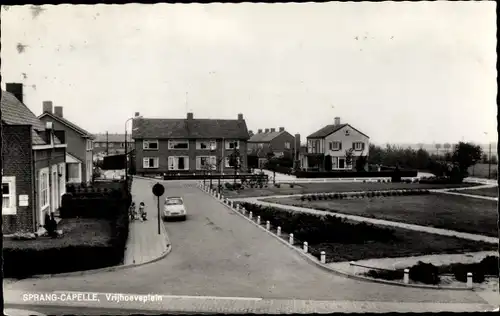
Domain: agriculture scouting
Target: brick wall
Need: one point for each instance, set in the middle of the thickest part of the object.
(17, 162)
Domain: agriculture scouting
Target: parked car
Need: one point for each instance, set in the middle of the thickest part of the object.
(174, 208)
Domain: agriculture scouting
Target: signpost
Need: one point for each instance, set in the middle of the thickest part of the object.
(158, 191)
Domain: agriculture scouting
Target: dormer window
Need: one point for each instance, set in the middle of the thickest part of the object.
(347, 132)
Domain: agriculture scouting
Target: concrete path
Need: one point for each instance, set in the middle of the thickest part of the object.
(239, 305)
(145, 243)
(431, 230)
(489, 198)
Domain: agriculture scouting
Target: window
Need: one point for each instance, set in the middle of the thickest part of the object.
(205, 163)
(96, 145)
(261, 145)
(90, 144)
(122, 145)
(232, 144)
(44, 190)
(178, 163)
(62, 179)
(347, 132)
(227, 165)
(8, 195)
(335, 145)
(358, 146)
(150, 144)
(208, 145)
(178, 144)
(150, 162)
(287, 145)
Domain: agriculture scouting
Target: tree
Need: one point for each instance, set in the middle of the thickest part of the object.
(348, 156)
(494, 159)
(235, 161)
(438, 146)
(361, 163)
(447, 147)
(466, 155)
(484, 158)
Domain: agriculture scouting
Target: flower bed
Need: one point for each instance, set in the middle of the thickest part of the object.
(362, 194)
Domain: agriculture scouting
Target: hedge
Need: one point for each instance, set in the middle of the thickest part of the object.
(354, 174)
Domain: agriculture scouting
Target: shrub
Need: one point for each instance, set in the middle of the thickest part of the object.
(314, 197)
(228, 185)
(277, 185)
(390, 275)
(336, 196)
(302, 198)
(379, 180)
(309, 198)
(292, 185)
(487, 266)
(426, 273)
(237, 186)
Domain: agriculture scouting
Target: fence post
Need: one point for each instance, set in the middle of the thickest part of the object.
(352, 267)
(278, 231)
(268, 225)
(250, 215)
(306, 246)
(258, 220)
(323, 257)
(290, 239)
(469, 280)
(406, 278)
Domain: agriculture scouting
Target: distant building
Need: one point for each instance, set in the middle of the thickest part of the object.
(278, 142)
(111, 144)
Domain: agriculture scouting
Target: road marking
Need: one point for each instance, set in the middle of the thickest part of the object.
(167, 296)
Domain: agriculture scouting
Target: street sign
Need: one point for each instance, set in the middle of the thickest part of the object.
(158, 190)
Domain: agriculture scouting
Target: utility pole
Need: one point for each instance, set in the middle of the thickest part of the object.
(489, 162)
(107, 144)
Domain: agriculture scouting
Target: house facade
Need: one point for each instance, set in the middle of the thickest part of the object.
(111, 144)
(33, 166)
(278, 142)
(79, 162)
(188, 145)
(335, 143)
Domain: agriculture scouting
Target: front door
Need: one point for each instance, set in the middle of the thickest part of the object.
(341, 163)
(180, 164)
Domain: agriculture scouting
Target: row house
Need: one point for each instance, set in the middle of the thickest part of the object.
(79, 162)
(111, 144)
(335, 142)
(188, 145)
(278, 142)
(33, 165)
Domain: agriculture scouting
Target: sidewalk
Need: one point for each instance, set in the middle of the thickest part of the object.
(431, 230)
(144, 244)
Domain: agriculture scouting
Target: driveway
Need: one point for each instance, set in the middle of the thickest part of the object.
(218, 253)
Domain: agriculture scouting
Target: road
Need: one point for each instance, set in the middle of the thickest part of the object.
(218, 253)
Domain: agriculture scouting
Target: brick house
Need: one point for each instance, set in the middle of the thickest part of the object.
(112, 144)
(281, 143)
(33, 165)
(79, 162)
(188, 145)
(334, 142)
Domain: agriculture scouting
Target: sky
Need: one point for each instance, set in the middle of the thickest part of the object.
(411, 72)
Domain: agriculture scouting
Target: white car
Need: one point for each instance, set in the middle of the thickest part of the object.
(174, 208)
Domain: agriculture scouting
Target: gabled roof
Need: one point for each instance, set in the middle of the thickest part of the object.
(64, 121)
(14, 112)
(112, 138)
(189, 128)
(264, 137)
(330, 129)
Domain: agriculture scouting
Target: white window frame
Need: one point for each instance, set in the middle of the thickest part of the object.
(173, 142)
(226, 162)
(288, 145)
(96, 145)
(145, 144)
(146, 162)
(90, 144)
(44, 192)
(211, 162)
(358, 146)
(61, 170)
(335, 146)
(122, 145)
(229, 142)
(12, 208)
(173, 163)
(212, 144)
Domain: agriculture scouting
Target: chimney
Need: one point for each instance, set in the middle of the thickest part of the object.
(58, 110)
(266, 130)
(137, 114)
(337, 120)
(47, 106)
(240, 117)
(250, 133)
(259, 131)
(190, 116)
(16, 89)
(273, 130)
(282, 129)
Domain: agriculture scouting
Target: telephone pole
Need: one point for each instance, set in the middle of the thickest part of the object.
(107, 144)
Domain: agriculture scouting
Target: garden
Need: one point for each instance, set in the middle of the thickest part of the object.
(92, 234)
(420, 207)
(344, 240)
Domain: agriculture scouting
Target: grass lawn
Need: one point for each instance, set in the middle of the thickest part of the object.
(303, 188)
(345, 240)
(76, 231)
(490, 192)
(480, 170)
(452, 212)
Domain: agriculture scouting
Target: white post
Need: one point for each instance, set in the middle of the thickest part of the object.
(306, 246)
(406, 278)
(469, 280)
(278, 231)
(290, 239)
(323, 257)
(268, 225)
(250, 215)
(258, 220)
(352, 267)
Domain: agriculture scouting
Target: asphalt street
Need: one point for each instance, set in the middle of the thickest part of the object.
(218, 253)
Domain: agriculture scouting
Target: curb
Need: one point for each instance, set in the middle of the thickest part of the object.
(108, 269)
(314, 261)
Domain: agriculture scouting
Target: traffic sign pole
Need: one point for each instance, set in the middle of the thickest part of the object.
(159, 216)
(158, 191)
